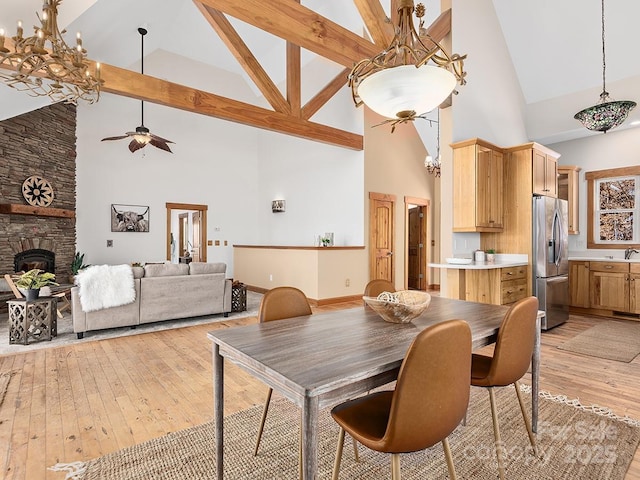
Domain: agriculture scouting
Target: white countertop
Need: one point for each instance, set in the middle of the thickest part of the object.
(604, 259)
(503, 260)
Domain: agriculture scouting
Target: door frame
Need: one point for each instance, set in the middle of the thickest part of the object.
(203, 225)
(423, 204)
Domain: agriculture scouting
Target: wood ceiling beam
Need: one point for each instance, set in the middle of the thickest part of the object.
(322, 97)
(375, 19)
(245, 57)
(304, 27)
(294, 82)
(150, 89)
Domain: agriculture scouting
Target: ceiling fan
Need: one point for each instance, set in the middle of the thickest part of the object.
(142, 136)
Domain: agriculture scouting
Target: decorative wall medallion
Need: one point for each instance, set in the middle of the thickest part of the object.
(37, 191)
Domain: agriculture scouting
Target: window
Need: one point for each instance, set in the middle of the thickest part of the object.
(613, 208)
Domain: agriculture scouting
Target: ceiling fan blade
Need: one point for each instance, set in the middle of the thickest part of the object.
(135, 145)
(162, 145)
(120, 137)
(160, 139)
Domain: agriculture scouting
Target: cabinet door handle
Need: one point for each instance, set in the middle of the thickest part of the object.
(608, 266)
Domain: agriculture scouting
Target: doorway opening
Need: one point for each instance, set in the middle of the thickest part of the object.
(186, 232)
(416, 235)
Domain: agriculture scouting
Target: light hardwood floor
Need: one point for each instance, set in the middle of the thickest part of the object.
(82, 401)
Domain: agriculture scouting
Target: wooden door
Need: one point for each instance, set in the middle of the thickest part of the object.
(579, 284)
(197, 245)
(381, 236)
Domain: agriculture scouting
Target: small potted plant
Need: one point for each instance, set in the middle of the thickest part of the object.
(32, 281)
(77, 264)
(491, 255)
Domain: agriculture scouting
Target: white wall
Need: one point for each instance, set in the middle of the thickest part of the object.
(234, 169)
(490, 106)
(617, 148)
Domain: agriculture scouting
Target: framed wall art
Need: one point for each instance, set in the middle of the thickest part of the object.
(129, 218)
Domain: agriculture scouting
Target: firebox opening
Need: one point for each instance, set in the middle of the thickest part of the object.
(35, 258)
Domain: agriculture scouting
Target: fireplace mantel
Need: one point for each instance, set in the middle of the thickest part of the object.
(18, 209)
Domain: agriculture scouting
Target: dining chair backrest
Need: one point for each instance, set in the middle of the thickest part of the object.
(432, 390)
(515, 343)
(283, 302)
(376, 287)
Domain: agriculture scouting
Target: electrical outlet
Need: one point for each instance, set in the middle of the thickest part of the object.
(347, 282)
(270, 278)
(109, 243)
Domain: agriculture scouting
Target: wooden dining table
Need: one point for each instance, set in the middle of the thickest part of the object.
(320, 360)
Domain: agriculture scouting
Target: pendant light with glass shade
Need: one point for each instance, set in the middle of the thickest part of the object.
(606, 114)
(407, 79)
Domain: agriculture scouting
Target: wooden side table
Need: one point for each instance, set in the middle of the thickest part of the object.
(34, 320)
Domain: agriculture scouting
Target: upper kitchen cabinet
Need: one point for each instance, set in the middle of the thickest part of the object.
(568, 178)
(478, 170)
(544, 164)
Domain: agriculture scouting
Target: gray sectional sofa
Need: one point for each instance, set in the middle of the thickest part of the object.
(163, 292)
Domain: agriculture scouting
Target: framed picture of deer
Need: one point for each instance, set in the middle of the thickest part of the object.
(129, 218)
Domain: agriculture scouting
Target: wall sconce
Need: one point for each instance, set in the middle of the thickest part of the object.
(277, 206)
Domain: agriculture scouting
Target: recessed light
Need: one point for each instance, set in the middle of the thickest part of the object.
(635, 123)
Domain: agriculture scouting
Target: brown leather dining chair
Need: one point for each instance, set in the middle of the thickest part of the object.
(277, 304)
(377, 286)
(429, 400)
(508, 364)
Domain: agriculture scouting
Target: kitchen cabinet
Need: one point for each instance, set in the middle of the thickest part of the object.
(634, 288)
(609, 286)
(545, 174)
(579, 284)
(478, 173)
(568, 183)
(544, 167)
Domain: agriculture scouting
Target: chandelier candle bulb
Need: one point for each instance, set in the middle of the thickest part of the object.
(19, 30)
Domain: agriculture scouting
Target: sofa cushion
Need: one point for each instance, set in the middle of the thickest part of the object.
(166, 269)
(200, 268)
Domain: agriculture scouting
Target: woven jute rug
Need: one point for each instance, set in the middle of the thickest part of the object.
(576, 443)
(610, 340)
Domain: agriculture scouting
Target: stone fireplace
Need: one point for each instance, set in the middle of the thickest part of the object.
(43, 143)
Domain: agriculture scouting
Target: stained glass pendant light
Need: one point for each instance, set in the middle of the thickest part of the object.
(607, 114)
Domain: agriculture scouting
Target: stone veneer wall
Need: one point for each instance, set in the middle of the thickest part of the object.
(41, 142)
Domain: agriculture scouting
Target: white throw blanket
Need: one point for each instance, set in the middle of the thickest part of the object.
(104, 286)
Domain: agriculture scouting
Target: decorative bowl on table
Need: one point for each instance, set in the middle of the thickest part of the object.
(399, 307)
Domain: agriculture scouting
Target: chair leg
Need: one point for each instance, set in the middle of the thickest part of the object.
(527, 423)
(395, 466)
(264, 418)
(336, 463)
(355, 449)
(496, 434)
(449, 457)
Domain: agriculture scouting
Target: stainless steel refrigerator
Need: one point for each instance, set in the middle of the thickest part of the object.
(550, 259)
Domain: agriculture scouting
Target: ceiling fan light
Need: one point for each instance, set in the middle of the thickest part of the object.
(142, 138)
(393, 92)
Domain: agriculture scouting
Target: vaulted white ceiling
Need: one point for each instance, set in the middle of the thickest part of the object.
(555, 47)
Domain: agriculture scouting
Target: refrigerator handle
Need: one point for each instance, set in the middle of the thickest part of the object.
(555, 242)
(561, 239)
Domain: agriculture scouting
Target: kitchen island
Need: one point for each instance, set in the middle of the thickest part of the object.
(500, 283)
